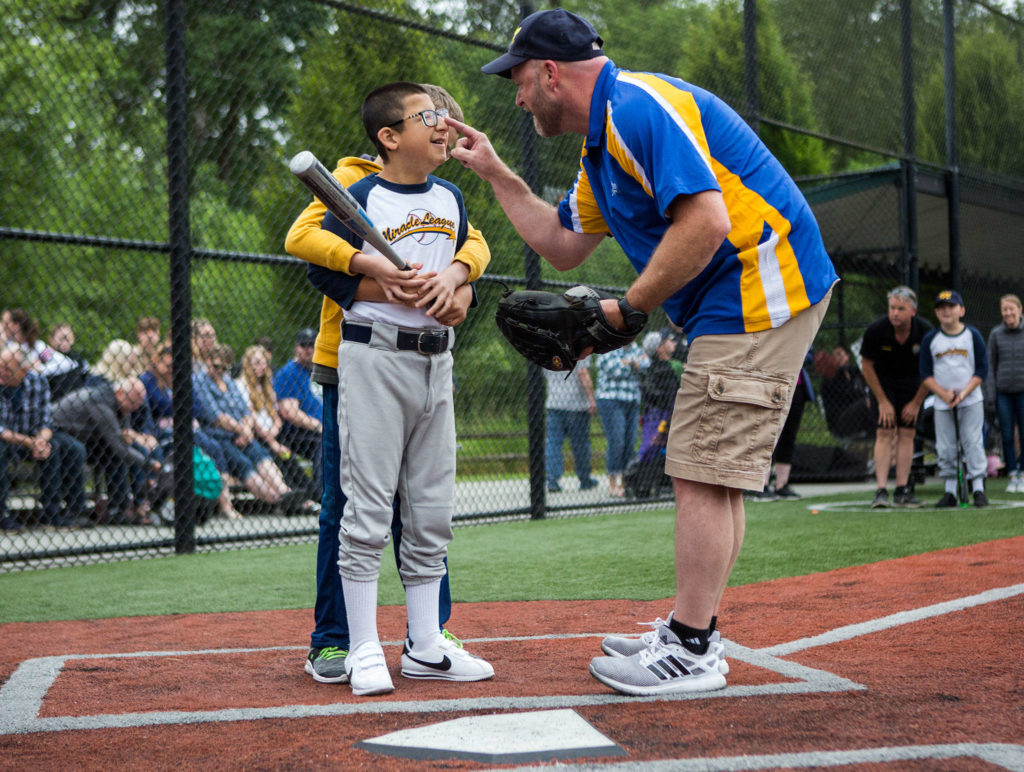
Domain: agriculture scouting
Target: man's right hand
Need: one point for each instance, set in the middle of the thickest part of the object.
(886, 415)
(474, 150)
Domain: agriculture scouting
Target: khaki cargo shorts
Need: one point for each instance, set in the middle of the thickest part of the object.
(733, 399)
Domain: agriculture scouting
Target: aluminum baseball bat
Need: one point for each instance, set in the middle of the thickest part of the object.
(339, 202)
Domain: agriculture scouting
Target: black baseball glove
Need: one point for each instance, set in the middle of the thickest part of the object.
(554, 330)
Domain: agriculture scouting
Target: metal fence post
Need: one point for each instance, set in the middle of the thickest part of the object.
(180, 277)
(909, 164)
(534, 377)
(952, 148)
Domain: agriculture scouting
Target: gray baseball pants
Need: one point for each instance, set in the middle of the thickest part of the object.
(396, 432)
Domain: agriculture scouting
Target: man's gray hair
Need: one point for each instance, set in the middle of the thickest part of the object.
(904, 293)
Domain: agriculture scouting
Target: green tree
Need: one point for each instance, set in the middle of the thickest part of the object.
(989, 98)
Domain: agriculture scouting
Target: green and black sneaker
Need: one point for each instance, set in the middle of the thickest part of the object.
(327, 665)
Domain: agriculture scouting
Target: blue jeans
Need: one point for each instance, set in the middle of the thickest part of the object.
(1010, 409)
(329, 612)
(619, 420)
(61, 477)
(574, 424)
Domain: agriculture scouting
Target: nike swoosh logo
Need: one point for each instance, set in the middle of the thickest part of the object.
(444, 664)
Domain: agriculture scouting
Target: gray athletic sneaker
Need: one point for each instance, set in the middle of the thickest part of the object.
(327, 665)
(628, 645)
(664, 667)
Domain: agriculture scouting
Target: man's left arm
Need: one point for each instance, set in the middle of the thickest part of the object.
(699, 225)
(289, 405)
(292, 413)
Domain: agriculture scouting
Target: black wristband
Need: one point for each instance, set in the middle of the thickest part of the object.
(633, 318)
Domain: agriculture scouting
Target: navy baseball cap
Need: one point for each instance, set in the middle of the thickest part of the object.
(557, 35)
(305, 337)
(949, 297)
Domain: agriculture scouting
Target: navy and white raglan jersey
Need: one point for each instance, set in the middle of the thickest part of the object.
(953, 360)
(425, 223)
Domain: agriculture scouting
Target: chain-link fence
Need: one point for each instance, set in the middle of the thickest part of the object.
(146, 200)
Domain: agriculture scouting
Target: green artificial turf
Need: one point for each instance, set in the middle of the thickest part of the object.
(627, 555)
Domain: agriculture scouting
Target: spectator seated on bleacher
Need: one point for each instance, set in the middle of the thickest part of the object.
(27, 434)
(100, 417)
(118, 361)
(301, 407)
(22, 329)
(226, 417)
(157, 380)
(147, 332)
(844, 395)
(62, 340)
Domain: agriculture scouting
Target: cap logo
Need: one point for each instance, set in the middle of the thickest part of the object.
(945, 295)
(514, 34)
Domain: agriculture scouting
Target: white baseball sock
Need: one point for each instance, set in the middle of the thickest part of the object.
(421, 601)
(361, 611)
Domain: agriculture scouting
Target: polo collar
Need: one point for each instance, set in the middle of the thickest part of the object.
(598, 101)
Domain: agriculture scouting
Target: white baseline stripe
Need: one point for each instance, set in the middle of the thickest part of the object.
(894, 620)
(999, 754)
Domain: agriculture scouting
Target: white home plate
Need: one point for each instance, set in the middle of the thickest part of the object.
(500, 738)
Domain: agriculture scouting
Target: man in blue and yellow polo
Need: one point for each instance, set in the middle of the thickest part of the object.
(723, 240)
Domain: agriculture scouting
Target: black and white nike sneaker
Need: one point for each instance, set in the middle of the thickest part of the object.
(443, 660)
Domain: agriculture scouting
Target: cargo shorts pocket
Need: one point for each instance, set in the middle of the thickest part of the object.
(741, 418)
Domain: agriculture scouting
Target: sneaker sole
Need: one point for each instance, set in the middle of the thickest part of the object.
(436, 675)
(706, 683)
(723, 665)
(372, 690)
(342, 679)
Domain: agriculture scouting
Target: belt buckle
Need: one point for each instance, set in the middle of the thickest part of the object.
(433, 338)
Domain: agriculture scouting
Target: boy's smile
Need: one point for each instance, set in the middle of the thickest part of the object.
(949, 316)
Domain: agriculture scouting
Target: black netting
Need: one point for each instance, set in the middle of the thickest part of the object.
(146, 199)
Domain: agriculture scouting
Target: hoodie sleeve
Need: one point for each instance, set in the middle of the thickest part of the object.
(307, 241)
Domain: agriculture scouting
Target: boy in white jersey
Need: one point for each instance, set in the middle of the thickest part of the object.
(954, 363)
(396, 424)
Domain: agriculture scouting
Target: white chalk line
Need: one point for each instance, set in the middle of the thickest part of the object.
(1005, 755)
(21, 697)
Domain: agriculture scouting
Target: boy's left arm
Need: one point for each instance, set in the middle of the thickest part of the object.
(474, 253)
(980, 367)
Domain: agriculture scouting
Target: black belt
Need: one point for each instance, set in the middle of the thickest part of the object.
(426, 342)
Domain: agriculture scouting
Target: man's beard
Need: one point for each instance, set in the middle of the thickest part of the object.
(546, 114)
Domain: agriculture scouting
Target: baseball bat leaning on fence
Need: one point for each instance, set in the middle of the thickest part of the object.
(339, 202)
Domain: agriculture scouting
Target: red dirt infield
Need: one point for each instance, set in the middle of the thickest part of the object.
(862, 663)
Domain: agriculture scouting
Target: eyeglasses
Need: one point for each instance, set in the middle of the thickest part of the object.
(218, 365)
(429, 117)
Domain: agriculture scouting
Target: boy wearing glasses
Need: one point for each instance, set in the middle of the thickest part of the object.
(395, 412)
(329, 641)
